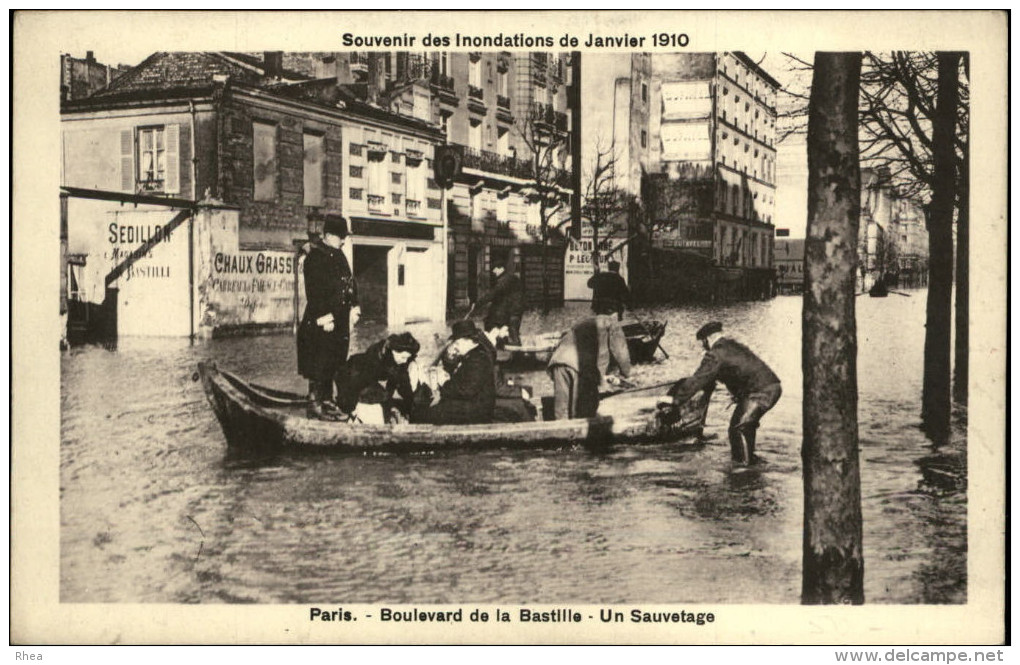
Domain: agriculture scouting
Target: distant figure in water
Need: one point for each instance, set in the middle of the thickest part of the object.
(754, 386)
(610, 294)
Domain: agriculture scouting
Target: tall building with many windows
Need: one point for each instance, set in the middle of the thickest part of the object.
(694, 135)
(509, 114)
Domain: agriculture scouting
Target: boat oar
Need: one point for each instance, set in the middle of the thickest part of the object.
(659, 344)
(900, 293)
(635, 389)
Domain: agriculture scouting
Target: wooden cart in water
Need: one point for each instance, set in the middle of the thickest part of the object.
(259, 419)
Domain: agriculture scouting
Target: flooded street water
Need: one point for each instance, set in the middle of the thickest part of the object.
(152, 510)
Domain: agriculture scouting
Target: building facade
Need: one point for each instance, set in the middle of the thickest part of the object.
(789, 262)
(510, 202)
(80, 77)
(892, 240)
(282, 147)
(695, 138)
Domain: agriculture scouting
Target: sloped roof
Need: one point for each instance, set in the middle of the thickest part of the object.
(177, 75)
(181, 70)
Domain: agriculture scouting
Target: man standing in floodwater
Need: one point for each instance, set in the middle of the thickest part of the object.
(755, 387)
(610, 294)
(505, 301)
(324, 336)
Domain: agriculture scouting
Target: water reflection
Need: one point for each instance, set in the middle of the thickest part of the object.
(153, 510)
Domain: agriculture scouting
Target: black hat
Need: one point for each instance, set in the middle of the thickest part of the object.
(709, 329)
(614, 265)
(465, 328)
(336, 225)
(405, 341)
(498, 264)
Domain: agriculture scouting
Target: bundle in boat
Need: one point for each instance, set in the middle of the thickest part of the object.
(259, 419)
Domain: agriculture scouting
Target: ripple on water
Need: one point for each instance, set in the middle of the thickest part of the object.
(152, 510)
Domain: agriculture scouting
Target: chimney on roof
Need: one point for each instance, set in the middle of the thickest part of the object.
(90, 57)
(273, 64)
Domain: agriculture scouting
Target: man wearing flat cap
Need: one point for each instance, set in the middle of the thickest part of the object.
(323, 338)
(754, 386)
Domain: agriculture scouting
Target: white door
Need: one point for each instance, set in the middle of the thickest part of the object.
(421, 283)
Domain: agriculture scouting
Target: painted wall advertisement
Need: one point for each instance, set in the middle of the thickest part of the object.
(577, 264)
(240, 287)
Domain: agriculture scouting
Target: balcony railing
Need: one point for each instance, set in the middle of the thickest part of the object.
(376, 202)
(474, 92)
(413, 208)
(442, 80)
(483, 160)
(502, 101)
(490, 162)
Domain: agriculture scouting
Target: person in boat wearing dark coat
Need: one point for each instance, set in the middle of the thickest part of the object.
(379, 375)
(512, 404)
(506, 303)
(469, 395)
(323, 337)
(754, 386)
(580, 363)
(610, 294)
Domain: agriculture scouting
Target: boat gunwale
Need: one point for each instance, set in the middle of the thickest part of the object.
(575, 430)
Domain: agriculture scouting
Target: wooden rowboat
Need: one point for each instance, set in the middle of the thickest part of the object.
(643, 338)
(259, 420)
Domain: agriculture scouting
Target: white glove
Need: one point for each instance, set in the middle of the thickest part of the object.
(326, 322)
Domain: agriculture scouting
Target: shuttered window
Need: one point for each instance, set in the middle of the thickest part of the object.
(127, 160)
(150, 159)
(313, 169)
(265, 165)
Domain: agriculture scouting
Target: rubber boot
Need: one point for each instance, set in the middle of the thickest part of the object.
(742, 438)
(750, 432)
(738, 452)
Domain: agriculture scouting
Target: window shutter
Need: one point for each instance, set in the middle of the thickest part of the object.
(127, 160)
(173, 161)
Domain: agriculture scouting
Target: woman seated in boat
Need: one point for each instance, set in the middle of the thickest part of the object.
(463, 391)
(380, 375)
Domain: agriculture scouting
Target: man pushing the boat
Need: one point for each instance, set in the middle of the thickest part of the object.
(755, 387)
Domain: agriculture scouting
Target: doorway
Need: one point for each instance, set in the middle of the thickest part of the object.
(371, 272)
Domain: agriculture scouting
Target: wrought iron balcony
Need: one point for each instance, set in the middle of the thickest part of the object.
(376, 202)
(413, 208)
(441, 80)
(475, 92)
(483, 160)
(502, 101)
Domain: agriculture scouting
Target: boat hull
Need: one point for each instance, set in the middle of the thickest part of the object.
(256, 420)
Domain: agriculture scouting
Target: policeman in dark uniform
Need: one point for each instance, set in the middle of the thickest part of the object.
(610, 294)
(323, 338)
(754, 386)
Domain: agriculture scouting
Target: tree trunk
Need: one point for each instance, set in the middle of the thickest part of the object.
(833, 558)
(545, 275)
(935, 401)
(962, 284)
